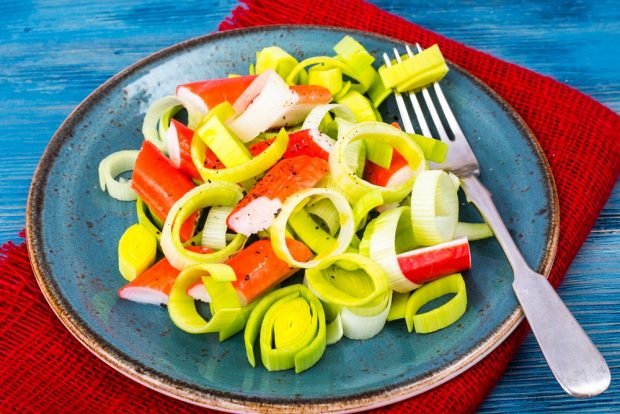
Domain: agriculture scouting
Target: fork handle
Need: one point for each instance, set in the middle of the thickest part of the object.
(572, 357)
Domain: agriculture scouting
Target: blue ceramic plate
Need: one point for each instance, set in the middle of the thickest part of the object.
(73, 230)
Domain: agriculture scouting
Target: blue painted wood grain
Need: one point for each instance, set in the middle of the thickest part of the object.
(53, 53)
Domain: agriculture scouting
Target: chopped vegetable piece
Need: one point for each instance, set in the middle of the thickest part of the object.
(258, 208)
(347, 279)
(434, 207)
(415, 72)
(442, 316)
(278, 230)
(353, 186)
(290, 325)
(160, 184)
(218, 193)
(136, 251)
(113, 165)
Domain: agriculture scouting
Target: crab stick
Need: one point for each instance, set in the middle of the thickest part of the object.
(397, 173)
(153, 285)
(208, 93)
(179, 142)
(270, 103)
(256, 211)
(428, 263)
(258, 269)
(160, 184)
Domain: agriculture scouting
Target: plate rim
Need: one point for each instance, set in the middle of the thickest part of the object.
(225, 401)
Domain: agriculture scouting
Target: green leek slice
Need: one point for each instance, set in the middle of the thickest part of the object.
(147, 219)
(323, 211)
(228, 148)
(182, 307)
(415, 72)
(364, 205)
(254, 167)
(290, 206)
(330, 78)
(208, 194)
(399, 306)
(353, 186)
(309, 232)
(442, 316)
(275, 58)
(347, 279)
(290, 325)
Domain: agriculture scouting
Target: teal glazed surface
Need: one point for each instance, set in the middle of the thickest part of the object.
(74, 228)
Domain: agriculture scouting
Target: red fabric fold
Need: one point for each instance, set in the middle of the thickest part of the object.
(43, 368)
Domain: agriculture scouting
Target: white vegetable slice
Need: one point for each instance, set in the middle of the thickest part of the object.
(113, 165)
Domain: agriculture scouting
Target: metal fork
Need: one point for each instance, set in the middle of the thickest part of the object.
(572, 357)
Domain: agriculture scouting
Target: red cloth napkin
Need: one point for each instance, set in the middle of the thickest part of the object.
(43, 368)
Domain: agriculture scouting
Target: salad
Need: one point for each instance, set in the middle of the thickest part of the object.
(282, 200)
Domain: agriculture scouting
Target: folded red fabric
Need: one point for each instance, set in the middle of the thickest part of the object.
(45, 369)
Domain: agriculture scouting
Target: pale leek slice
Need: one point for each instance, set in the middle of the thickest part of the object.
(214, 230)
(113, 165)
(358, 326)
(291, 205)
(381, 245)
(324, 211)
(434, 208)
(353, 186)
(150, 125)
(473, 231)
(334, 331)
(442, 316)
(218, 193)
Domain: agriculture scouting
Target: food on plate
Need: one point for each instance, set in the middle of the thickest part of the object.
(283, 200)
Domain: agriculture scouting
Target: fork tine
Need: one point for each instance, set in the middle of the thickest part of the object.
(447, 111)
(416, 105)
(400, 102)
(431, 106)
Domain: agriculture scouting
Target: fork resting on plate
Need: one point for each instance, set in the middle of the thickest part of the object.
(574, 360)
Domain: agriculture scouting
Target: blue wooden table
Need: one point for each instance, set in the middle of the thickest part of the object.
(53, 53)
